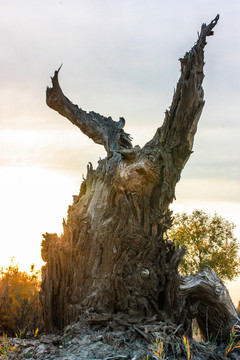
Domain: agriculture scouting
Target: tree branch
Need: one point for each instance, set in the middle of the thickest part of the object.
(180, 124)
(102, 130)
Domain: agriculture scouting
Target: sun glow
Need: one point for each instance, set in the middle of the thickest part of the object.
(33, 201)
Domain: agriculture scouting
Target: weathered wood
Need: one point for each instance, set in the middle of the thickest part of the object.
(112, 256)
(212, 304)
(102, 130)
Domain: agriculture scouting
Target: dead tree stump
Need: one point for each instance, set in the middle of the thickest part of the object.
(112, 256)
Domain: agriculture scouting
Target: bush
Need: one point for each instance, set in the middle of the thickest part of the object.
(209, 241)
(20, 310)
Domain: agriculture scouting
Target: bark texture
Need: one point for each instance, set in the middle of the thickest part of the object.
(211, 305)
(112, 256)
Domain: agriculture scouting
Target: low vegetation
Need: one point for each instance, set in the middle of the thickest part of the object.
(20, 311)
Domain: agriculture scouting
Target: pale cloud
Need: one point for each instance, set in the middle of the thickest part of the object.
(119, 57)
(64, 151)
(208, 190)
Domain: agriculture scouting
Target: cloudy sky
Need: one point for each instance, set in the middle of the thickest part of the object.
(120, 58)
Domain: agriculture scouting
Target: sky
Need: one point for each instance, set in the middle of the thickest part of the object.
(120, 58)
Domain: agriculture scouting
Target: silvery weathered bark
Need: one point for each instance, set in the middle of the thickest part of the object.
(112, 256)
(211, 305)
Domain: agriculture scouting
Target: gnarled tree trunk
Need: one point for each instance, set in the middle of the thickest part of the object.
(112, 256)
(211, 305)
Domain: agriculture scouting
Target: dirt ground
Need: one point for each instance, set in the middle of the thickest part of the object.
(114, 338)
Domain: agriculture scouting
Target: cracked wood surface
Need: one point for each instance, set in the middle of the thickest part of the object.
(112, 256)
(211, 305)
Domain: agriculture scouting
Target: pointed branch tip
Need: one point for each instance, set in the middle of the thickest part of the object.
(59, 68)
(56, 73)
(216, 19)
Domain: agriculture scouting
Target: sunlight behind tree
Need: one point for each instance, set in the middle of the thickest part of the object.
(20, 310)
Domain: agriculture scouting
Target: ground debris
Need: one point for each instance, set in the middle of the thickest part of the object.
(96, 340)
